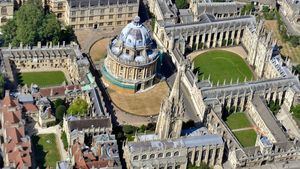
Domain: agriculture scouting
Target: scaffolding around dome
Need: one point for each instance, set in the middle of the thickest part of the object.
(132, 59)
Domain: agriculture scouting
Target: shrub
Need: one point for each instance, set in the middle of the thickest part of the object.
(151, 126)
(129, 129)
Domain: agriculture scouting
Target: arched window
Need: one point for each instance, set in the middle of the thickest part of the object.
(135, 158)
(176, 153)
(160, 155)
(4, 11)
(3, 20)
(168, 154)
(144, 157)
(152, 156)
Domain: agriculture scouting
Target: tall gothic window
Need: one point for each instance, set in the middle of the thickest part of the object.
(4, 11)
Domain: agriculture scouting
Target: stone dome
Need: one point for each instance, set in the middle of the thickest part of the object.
(134, 44)
(135, 34)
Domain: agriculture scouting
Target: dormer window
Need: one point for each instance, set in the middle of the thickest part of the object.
(127, 51)
(138, 53)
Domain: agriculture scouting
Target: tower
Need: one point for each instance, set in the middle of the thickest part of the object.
(170, 118)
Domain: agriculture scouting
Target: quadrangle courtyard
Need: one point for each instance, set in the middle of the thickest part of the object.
(42, 79)
(242, 128)
(45, 150)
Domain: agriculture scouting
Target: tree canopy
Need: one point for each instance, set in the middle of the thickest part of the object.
(31, 23)
(78, 107)
(181, 4)
(60, 111)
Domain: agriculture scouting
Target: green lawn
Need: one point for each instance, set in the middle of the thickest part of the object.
(222, 65)
(247, 138)
(42, 79)
(237, 121)
(45, 150)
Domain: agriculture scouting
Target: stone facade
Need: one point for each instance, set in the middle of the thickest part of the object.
(94, 14)
(167, 148)
(291, 10)
(203, 26)
(6, 11)
(66, 58)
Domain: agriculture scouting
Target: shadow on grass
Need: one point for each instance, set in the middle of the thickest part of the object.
(39, 153)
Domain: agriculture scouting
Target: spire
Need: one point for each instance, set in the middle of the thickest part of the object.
(170, 118)
(175, 91)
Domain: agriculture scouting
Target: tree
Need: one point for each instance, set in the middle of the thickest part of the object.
(60, 111)
(51, 29)
(58, 102)
(78, 107)
(28, 19)
(181, 4)
(32, 23)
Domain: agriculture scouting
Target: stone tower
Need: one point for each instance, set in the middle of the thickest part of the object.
(170, 118)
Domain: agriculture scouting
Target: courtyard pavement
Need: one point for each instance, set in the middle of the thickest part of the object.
(235, 49)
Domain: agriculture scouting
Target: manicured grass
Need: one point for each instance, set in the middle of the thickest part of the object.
(222, 65)
(237, 121)
(45, 150)
(247, 138)
(42, 79)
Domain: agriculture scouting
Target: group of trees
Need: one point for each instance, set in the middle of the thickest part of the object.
(32, 23)
(79, 107)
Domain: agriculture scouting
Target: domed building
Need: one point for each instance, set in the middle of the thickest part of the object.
(132, 59)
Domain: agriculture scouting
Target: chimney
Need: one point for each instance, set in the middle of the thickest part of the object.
(50, 45)
(64, 44)
(21, 45)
